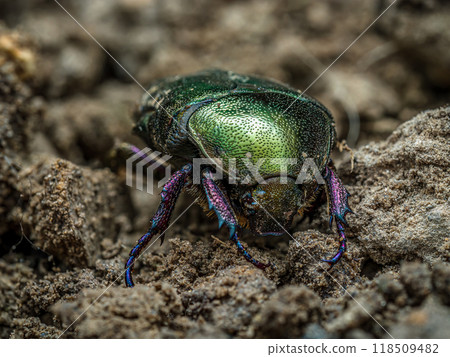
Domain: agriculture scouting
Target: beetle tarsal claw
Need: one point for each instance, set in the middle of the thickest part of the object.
(247, 256)
(329, 262)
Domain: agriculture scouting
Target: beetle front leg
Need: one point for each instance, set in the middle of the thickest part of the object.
(160, 221)
(338, 208)
(219, 202)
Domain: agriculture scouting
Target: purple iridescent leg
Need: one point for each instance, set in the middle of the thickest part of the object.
(160, 221)
(338, 208)
(145, 156)
(219, 202)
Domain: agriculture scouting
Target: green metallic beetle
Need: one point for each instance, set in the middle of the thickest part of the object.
(259, 134)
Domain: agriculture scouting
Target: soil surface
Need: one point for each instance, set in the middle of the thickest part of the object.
(68, 220)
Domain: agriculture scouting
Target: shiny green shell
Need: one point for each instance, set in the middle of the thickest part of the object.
(222, 114)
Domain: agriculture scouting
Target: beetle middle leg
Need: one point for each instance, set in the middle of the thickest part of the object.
(160, 221)
(219, 202)
(338, 208)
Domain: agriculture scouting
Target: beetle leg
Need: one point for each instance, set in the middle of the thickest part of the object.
(219, 202)
(160, 221)
(338, 208)
(246, 255)
(147, 155)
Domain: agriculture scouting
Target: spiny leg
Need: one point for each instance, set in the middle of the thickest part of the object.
(219, 202)
(338, 208)
(160, 221)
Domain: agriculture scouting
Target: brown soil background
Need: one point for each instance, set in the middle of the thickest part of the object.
(68, 220)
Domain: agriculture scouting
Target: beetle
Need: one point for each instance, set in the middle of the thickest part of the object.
(250, 122)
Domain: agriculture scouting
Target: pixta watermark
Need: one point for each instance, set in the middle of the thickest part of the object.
(142, 166)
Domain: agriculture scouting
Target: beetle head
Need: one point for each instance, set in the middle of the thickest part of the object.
(270, 205)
